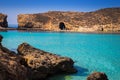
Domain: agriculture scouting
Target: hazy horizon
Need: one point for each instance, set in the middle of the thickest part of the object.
(12, 8)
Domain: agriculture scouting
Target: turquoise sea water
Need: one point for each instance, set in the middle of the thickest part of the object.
(91, 52)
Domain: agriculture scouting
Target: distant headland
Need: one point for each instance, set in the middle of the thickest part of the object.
(103, 20)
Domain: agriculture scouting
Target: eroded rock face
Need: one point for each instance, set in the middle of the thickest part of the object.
(101, 20)
(43, 63)
(97, 76)
(10, 65)
(3, 21)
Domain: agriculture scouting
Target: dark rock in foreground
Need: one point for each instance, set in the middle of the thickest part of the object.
(42, 64)
(3, 21)
(31, 63)
(97, 76)
(10, 65)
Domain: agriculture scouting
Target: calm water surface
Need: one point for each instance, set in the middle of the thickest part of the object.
(91, 52)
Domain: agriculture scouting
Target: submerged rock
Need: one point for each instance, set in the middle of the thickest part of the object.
(3, 21)
(42, 64)
(10, 65)
(97, 76)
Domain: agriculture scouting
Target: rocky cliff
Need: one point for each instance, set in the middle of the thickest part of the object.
(3, 20)
(101, 20)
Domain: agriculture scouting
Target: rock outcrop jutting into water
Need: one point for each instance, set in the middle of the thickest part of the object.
(42, 64)
(31, 63)
(101, 20)
(3, 21)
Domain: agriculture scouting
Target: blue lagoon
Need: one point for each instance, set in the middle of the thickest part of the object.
(90, 52)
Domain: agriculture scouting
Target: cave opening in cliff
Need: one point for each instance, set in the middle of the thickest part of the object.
(62, 26)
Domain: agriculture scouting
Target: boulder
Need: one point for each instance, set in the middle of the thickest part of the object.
(10, 65)
(3, 21)
(97, 76)
(42, 64)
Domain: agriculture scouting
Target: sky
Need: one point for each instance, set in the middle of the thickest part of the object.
(14, 7)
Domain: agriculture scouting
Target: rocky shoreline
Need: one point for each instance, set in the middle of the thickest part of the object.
(34, 64)
(31, 63)
(65, 31)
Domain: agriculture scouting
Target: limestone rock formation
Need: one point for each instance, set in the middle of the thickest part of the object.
(101, 20)
(3, 21)
(31, 63)
(43, 63)
(10, 66)
(97, 76)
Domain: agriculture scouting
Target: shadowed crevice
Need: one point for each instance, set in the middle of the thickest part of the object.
(62, 26)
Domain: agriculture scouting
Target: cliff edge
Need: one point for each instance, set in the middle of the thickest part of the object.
(3, 21)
